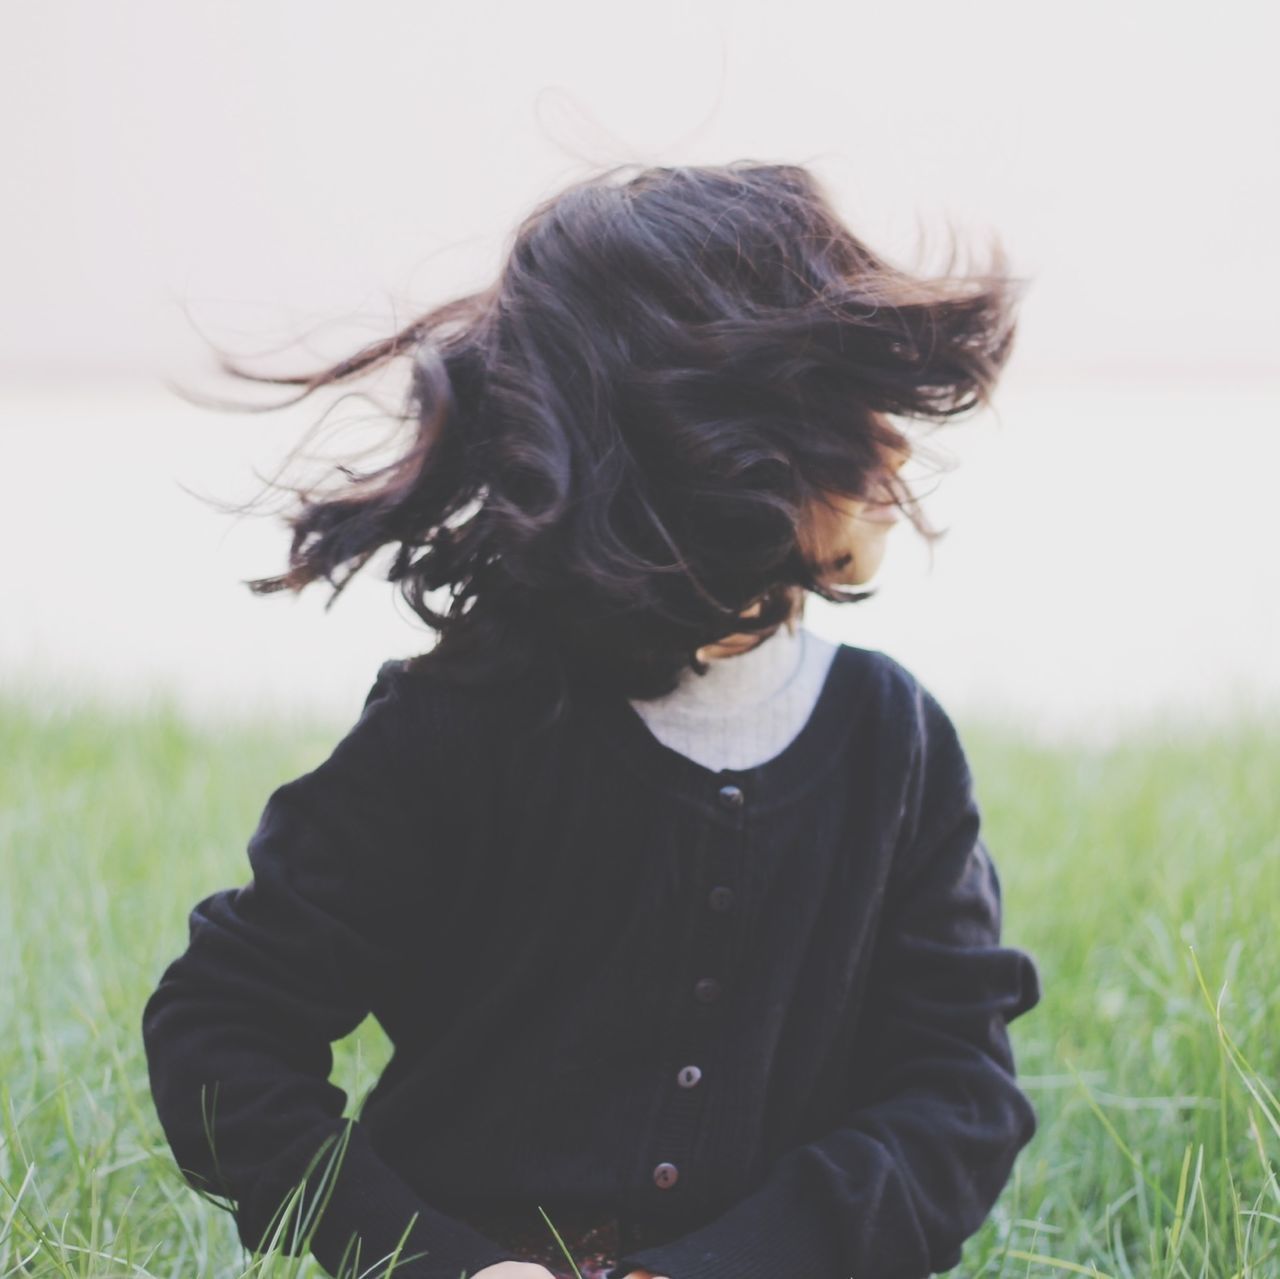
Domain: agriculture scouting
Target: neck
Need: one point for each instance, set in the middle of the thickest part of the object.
(732, 645)
(734, 684)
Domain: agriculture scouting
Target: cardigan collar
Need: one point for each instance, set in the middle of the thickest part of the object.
(763, 786)
(736, 684)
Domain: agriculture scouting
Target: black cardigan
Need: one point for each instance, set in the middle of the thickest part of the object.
(760, 1014)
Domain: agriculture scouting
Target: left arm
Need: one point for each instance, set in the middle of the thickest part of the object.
(936, 1118)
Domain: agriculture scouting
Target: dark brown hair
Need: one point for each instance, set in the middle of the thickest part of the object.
(616, 446)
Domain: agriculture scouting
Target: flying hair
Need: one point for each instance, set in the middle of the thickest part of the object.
(616, 450)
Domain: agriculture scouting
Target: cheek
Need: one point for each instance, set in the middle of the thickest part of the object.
(868, 547)
(864, 537)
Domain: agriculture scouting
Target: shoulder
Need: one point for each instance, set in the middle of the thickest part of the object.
(427, 709)
(897, 689)
(936, 785)
(889, 677)
(916, 715)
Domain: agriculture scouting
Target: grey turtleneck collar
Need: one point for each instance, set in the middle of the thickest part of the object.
(748, 706)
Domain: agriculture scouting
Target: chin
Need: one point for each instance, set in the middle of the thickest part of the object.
(861, 578)
(857, 570)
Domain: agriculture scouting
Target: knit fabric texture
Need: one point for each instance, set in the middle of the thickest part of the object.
(760, 1013)
(748, 706)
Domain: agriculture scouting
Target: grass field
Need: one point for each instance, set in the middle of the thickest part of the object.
(1144, 878)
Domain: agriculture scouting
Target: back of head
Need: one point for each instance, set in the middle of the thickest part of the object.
(619, 446)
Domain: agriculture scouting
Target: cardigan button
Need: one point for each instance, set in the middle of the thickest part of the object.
(665, 1175)
(720, 897)
(731, 796)
(688, 1076)
(706, 989)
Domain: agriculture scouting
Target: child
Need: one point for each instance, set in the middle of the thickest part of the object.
(677, 916)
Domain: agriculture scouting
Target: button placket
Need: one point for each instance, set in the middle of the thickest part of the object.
(720, 898)
(688, 1076)
(731, 796)
(706, 980)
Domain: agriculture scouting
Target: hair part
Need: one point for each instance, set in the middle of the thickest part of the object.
(616, 448)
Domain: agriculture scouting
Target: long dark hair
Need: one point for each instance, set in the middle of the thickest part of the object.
(617, 447)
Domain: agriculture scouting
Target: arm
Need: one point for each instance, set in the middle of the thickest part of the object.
(936, 1118)
(238, 1031)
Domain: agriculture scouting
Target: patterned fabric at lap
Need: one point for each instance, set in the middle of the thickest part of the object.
(592, 1239)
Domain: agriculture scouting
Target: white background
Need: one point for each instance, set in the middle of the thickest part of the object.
(288, 180)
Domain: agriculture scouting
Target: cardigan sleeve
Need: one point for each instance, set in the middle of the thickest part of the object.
(936, 1118)
(238, 1031)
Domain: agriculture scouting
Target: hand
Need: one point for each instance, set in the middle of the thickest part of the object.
(643, 1274)
(514, 1270)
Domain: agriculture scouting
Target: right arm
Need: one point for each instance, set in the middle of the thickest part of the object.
(238, 1031)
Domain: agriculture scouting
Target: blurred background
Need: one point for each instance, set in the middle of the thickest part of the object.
(287, 181)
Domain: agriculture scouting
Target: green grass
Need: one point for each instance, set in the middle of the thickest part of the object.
(1144, 878)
